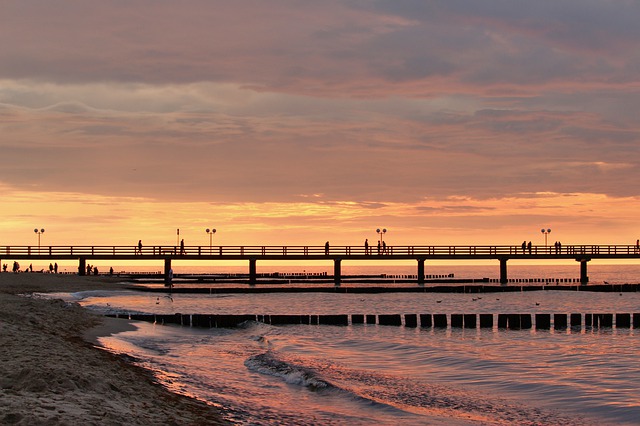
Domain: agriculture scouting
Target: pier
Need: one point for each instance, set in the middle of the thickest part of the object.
(252, 254)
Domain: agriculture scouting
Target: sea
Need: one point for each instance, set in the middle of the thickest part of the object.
(366, 374)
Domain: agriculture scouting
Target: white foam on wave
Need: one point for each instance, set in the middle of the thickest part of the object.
(291, 374)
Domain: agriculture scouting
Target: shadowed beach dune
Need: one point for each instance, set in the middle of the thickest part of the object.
(50, 372)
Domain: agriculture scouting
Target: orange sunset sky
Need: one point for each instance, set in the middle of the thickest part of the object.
(296, 122)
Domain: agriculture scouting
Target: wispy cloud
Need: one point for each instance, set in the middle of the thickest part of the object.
(378, 103)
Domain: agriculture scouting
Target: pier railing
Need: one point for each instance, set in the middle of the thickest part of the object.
(319, 251)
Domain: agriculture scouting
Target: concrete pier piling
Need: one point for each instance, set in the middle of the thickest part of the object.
(440, 320)
(288, 319)
(576, 320)
(457, 320)
(470, 320)
(623, 320)
(503, 320)
(513, 322)
(559, 321)
(486, 320)
(389, 320)
(333, 319)
(636, 320)
(525, 321)
(426, 321)
(410, 320)
(605, 320)
(543, 321)
(357, 319)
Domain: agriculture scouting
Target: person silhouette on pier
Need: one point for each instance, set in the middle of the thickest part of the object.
(366, 246)
(326, 247)
(379, 248)
(182, 247)
(529, 247)
(524, 247)
(384, 247)
(139, 246)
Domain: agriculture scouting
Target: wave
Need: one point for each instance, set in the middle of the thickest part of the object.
(296, 375)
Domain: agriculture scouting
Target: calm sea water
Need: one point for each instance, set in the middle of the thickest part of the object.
(369, 374)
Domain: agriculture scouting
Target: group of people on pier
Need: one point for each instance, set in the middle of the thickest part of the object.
(382, 247)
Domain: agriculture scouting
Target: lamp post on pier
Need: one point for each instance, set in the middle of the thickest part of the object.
(210, 232)
(39, 232)
(381, 232)
(545, 232)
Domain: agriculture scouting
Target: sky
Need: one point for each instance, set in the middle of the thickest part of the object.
(294, 122)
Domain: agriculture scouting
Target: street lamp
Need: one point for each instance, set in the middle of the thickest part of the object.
(381, 233)
(545, 232)
(39, 232)
(210, 232)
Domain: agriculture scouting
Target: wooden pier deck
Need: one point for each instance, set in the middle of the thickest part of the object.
(252, 254)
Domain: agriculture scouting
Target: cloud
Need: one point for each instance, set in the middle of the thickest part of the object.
(334, 48)
(376, 103)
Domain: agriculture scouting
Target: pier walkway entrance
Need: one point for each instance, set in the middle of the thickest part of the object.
(421, 254)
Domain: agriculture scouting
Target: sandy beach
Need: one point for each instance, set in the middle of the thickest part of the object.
(52, 373)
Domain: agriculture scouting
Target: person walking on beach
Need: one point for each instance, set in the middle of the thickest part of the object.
(139, 246)
(326, 247)
(55, 268)
(50, 268)
(366, 246)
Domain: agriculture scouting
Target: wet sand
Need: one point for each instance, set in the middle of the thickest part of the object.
(52, 373)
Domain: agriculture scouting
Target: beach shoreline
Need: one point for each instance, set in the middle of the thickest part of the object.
(53, 372)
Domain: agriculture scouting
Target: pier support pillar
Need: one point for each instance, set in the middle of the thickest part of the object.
(337, 273)
(253, 276)
(584, 278)
(168, 272)
(82, 267)
(503, 270)
(420, 271)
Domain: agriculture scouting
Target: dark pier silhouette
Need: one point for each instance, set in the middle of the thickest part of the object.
(421, 254)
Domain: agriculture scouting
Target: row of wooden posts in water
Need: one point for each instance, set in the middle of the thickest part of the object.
(543, 321)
